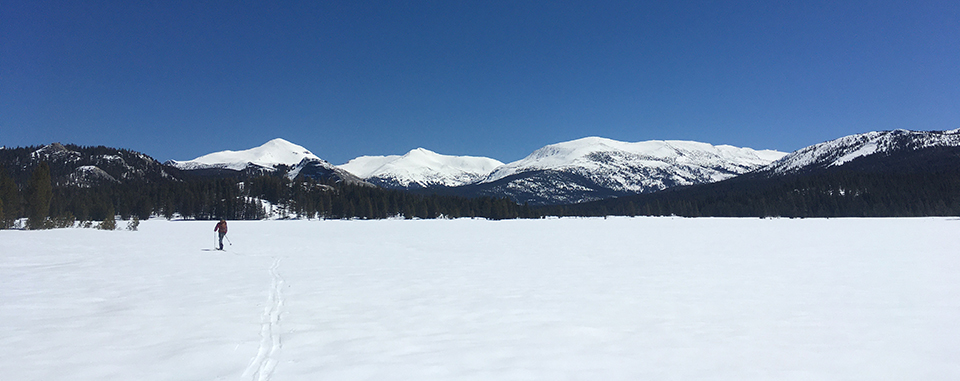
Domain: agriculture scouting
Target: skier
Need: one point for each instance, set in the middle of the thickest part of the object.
(222, 229)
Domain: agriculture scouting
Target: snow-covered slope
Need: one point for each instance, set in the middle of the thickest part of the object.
(438, 300)
(272, 153)
(421, 168)
(601, 157)
(840, 151)
(602, 167)
(266, 158)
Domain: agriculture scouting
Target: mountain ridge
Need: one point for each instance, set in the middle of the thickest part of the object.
(568, 172)
(421, 168)
(594, 168)
(837, 152)
(897, 173)
(576, 171)
(268, 155)
(85, 166)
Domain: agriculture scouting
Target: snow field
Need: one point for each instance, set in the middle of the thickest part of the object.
(558, 299)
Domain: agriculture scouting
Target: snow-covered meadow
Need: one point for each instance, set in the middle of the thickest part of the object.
(557, 299)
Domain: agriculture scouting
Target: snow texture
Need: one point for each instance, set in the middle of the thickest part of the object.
(421, 168)
(274, 152)
(598, 299)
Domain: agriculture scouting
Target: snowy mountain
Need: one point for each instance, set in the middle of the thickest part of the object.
(877, 174)
(594, 168)
(267, 156)
(291, 160)
(421, 168)
(841, 151)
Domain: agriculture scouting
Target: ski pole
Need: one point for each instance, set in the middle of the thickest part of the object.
(228, 239)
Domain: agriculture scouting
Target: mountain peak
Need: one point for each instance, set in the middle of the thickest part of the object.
(281, 144)
(421, 152)
(274, 152)
(421, 168)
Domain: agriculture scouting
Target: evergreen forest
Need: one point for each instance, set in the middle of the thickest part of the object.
(250, 199)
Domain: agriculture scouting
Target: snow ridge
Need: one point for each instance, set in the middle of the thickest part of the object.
(268, 155)
(421, 168)
(843, 150)
(641, 166)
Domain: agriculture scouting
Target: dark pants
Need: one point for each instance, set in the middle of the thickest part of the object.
(221, 239)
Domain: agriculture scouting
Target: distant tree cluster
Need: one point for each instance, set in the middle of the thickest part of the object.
(47, 206)
(312, 199)
(39, 194)
(10, 202)
(836, 193)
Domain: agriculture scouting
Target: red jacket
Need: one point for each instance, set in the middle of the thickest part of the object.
(221, 227)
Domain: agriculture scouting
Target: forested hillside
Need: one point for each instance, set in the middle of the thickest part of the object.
(58, 185)
(254, 198)
(923, 182)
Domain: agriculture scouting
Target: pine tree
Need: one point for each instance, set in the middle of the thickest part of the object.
(110, 222)
(134, 223)
(39, 194)
(10, 196)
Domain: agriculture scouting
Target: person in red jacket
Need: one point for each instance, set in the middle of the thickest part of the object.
(222, 229)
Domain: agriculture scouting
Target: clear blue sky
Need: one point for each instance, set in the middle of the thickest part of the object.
(179, 79)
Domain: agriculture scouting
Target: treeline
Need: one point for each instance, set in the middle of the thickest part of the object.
(255, 198)
(312, 199)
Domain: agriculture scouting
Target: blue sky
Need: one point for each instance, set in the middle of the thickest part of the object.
(177, 80)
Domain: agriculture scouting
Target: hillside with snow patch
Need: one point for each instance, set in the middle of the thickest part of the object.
(840, 151)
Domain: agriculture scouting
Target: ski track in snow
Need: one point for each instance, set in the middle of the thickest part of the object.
(262, 366)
